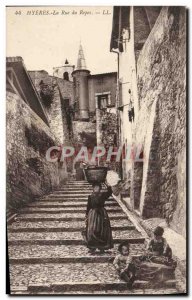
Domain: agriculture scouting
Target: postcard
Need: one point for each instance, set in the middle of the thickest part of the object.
(96, 150)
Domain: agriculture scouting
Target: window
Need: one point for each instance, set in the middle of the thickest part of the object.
(66, 76)
(102, 101)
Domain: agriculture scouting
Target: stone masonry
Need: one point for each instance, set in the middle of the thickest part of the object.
(29, 175)
(161, 71)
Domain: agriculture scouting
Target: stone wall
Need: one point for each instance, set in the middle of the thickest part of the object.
(29, 174)
(79, 127)
(65, 105)
(67, 89)
(59, 118)
(161, 72)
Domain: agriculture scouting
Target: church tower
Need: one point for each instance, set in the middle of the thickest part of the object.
(65, 71)
(80, 76)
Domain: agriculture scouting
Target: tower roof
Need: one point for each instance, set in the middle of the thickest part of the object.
(81, 63)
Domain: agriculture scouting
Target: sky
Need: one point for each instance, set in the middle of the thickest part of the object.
(45, 41)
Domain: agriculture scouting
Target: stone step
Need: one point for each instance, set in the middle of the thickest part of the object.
(70, 199)
(72, 192)
(68, 287)
(74, 182)
(78, 188)
(72, 188)
(79, 185)
(67, 204)
(64, 217)
(48, 251)
(61, 260)
(60, 219)
(63, 229)
(59, 206)
(17, 224)
(76, 235)
(75, 197)
(145, 291)
(86, 186)
(138, 240)
(72, 214)
(56, 210)
(71, 277)
(76, 191)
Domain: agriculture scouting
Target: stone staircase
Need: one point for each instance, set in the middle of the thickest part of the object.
(47, 254)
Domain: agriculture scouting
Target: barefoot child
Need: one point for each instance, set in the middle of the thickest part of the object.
(123, 264)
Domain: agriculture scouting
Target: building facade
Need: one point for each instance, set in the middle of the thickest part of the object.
(80, 104)
(151, 47)
(71, 106)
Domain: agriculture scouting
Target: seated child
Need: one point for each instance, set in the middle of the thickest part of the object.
(158, 245)
(123, 264)
(158, 250)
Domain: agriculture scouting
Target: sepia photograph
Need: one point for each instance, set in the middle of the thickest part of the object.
(96, 199)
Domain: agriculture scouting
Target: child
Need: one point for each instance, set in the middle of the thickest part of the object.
(158, 250)
(158, 245)
(123, 264)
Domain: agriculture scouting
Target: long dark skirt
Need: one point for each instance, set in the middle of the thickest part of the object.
(98, 231)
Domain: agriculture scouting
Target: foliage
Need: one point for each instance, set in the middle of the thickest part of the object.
(35, 164)
(46, 94)
(38, 139)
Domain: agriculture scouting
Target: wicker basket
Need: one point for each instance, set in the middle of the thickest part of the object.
(96, 174)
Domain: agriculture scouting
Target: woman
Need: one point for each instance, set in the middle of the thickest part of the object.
(98, 229)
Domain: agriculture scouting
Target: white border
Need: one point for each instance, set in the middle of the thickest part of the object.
(4, 3)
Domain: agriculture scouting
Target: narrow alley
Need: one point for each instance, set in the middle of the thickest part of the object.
(96, 198)
(47, 254)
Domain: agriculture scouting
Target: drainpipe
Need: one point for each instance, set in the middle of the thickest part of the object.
(118, 113)
(117, 104)
(117, 52)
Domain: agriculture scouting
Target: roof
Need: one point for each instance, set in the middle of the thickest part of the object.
(103, 74)
(121, 15)
(19, 81)
(81, 63)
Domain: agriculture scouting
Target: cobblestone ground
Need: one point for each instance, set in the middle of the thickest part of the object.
(48, 256)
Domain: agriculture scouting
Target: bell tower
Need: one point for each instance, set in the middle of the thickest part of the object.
(80, 76)
(65, 71)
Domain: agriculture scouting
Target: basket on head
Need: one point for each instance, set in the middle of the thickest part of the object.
(96, 174)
